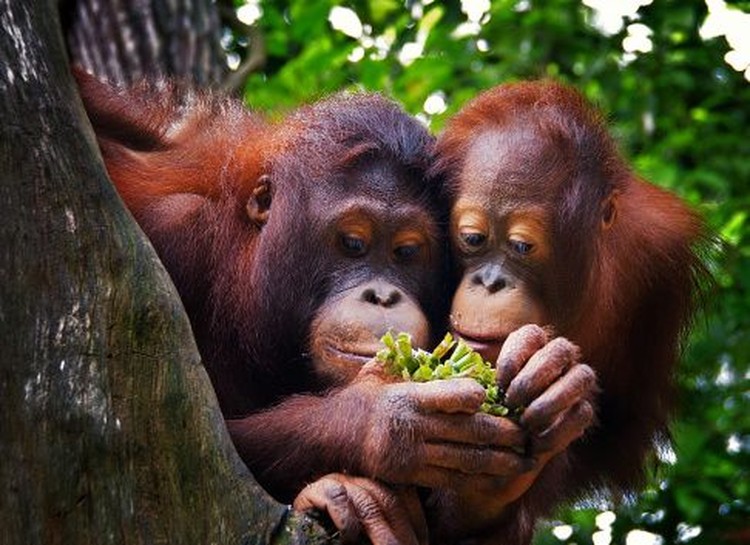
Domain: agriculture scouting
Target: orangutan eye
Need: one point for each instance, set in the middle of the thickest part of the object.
(353, 246)
(521, 247)
(406, 252)
(473, 239)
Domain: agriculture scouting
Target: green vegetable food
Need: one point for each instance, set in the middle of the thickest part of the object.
(401, 359)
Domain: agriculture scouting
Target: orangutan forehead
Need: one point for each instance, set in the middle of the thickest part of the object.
(513, 163)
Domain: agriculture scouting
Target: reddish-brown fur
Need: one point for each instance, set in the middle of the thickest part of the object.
(187, 162)
(625, 293)
(260, 227)
(256, 280)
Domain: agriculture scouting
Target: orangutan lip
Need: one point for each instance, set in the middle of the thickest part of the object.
(480, 343)
(359, 357)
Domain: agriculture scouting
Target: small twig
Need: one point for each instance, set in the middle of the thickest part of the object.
(256, 59)
(256, 46)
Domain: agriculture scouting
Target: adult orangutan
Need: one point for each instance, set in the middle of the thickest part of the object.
(550, 226)
(294, 247)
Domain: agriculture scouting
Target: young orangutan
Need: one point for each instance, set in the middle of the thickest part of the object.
(550, 226)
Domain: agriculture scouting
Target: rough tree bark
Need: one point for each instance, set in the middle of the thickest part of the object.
(126, 40)
(109, 428)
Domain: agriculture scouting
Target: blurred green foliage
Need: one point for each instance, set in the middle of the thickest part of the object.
(682, 116)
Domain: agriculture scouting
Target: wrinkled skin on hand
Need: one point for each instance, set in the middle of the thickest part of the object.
(407, 433)
(557, 395)
(360, 507)
(432, 435)
(412, 435)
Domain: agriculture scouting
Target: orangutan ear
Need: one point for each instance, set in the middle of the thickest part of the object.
(609, 210)
(259, 203)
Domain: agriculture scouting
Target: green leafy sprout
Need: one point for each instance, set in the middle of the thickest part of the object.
(450, 359)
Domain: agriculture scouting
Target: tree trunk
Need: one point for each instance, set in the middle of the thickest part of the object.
(109, 428)
(125, 40)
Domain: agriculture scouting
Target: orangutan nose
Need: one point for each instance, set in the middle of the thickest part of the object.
(490, 276)
(381, 294)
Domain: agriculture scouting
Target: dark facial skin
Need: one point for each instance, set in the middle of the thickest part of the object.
(386, 256)
(500, 241)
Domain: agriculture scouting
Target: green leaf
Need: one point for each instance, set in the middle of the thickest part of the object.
(401, 359)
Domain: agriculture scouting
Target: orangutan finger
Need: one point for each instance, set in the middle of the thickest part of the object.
(475, 430)
(565, 430)
(520, 345)
(330, 496)
(579, 382)
(542, 369)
